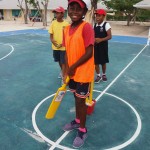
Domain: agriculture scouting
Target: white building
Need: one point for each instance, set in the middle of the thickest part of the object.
(9, 8)
(145, 4)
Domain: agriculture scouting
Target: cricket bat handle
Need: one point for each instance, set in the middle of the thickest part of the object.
(67, 80)
(89, 101)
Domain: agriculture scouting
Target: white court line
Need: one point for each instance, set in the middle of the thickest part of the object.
(12, 49)
(56, 144)
(35, 125)
(104, 91)
(120, 74)
(40, 133)
(59, 140)
(126, 43)
(138, 129)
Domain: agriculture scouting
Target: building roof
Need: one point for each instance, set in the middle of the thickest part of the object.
(145, 4)
(6, 4)
(12, 4)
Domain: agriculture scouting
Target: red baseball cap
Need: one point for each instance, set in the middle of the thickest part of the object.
(59, 9)
(80, 2)
(100, 12)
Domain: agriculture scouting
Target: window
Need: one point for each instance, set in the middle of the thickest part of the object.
(16, 13)
(34, 13)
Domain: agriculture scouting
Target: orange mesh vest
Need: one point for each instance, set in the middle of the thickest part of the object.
(75, 48)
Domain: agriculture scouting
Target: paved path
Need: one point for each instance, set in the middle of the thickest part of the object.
(140, 29)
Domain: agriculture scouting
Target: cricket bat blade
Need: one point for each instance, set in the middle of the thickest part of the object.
(56, 100)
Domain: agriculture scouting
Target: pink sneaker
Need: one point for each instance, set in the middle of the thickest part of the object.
(71, 126)
(79, 140)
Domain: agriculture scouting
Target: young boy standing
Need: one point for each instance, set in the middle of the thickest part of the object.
(56, 36)
(102, 31)
(79, 41)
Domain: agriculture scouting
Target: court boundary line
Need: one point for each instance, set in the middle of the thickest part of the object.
(104, 91)
(126, 43)
(57, 143)
(12, 49)
(111, 41)
(39, 132)
(139, 126)
(120, 73)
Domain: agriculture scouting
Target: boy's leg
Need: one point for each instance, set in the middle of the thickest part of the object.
(60, 76)
(56, 56)
(81, 110)
(78, 89)
(60, 65)
(76, 122)
(104, 78)
(62, 73)
(62, 61)
(80, 94)
(104, 68)
(98, 76)
(63, 69)
(97, 68)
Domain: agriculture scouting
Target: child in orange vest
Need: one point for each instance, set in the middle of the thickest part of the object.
(79, 42)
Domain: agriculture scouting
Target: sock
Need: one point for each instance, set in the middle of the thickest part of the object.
(77, 120)
(99, 74)
(104, 73)
(82, 129)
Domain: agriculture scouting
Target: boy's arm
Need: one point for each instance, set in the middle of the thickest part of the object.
(51, 33)
(53, 41)
(66, 68)
(108, 37)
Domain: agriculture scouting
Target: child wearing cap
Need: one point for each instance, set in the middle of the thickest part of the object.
(56, 36)
(79, 42)
(102, 31)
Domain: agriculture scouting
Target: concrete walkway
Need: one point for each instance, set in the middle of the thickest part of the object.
(140, 29)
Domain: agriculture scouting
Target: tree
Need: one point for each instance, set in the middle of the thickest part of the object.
(24, 10)
(36, 4)
(94, 3)
(91, 13)
(123, 7)
(45, 5)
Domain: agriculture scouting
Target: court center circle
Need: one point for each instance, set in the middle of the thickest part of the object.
(12, 49)
(134, 136)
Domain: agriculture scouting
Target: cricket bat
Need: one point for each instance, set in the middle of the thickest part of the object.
(57, 100)
(90, 102)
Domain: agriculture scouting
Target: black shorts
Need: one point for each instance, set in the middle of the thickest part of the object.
(59, 56)
(80, 89)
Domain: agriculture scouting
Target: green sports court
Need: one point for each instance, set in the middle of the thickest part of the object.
(28, 82)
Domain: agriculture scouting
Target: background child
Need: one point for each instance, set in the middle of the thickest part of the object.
(79, 41)
(56, 36)
(102, 31)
